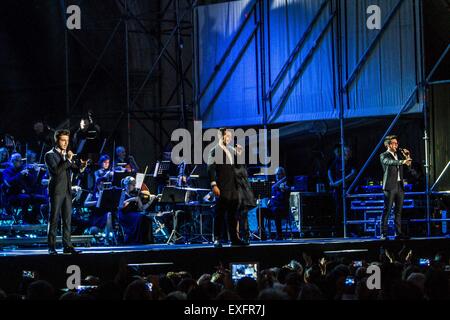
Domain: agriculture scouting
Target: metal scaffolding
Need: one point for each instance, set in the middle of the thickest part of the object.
(175, 104)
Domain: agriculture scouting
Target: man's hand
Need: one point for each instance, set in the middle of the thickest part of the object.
(238, 149)
(24, 172)
(323, 265)
(216, 191)
(84, 163)
(69, 155)
(406, 152)
(408, 162)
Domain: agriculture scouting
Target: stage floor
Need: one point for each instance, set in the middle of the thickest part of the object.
(298, 243)
(196, 258)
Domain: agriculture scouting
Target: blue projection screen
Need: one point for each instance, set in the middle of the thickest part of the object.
(276, 61)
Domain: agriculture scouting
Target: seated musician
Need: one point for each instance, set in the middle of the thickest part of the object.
(124, 162)
(136, 225)
(37, 187)
(278, 206)
(21, 182)
(4, 157)
(335, 180)
(99, 217)
(104, 174)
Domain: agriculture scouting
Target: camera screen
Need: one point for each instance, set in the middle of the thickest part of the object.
(84, 289)
(243, 270)
(28, 274)
(424, 262)
(357, 264)
(349, 281)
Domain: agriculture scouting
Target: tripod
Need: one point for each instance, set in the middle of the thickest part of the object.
(199, 215)
(262, 190)
(174, 235)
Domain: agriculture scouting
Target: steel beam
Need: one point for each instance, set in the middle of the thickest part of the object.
(97, 63)
(152, 69)
(290, 61)
(226, 53)
(372, 45)
(230, 72)
(438, 63)
(380, 143)
(287, 92)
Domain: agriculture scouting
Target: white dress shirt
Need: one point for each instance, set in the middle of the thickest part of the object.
(398, 171)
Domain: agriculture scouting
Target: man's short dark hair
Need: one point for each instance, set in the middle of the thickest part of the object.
(59, 133)
(388, 140)
(222, 131)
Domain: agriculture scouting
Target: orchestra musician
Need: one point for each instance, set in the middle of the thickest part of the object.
(124, 163)
(42, 141)
(4, 161)
(61, 164)
(278, 205)
(4, 157)
(105, 173)
(393, 186)
(21, 182)
(100, 217)
(137, 226)
(41, 170)
(335, 180)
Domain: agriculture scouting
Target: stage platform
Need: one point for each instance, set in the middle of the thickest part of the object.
(196, 258)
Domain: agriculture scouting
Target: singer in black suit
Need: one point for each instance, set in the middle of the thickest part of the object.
(393, 186)
(222, 175)
(61, 165)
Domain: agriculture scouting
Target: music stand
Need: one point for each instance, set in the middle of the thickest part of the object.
(161, 168)
(173, 195)
(109, 199)
(261, 190)
(119, 176)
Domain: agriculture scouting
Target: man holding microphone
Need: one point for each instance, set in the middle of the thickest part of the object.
(393, 187)
(61, 165)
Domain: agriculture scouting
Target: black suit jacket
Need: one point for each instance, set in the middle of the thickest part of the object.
(223, 173)
(60, 173)
(391, 167)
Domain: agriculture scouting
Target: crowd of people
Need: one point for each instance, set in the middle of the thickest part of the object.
(309, 277)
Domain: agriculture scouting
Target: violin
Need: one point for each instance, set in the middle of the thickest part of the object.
(281, 184)
(145, 194)
(36, 166)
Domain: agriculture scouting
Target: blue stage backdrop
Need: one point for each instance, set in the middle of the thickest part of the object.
(276, 61)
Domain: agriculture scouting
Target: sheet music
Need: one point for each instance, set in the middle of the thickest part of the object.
(139, 180)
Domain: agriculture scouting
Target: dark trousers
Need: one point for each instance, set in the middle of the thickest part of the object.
(392, 197)
(60, 203)
(276, 214)
(226, 208)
